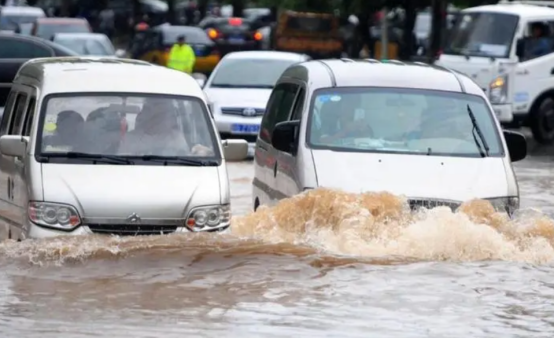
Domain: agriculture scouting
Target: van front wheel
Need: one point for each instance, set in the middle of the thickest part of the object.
(542, 121)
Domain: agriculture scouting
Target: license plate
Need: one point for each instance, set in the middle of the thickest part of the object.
(236, 40)
(245, 128)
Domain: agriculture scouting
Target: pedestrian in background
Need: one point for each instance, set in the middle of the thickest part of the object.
(181, 56)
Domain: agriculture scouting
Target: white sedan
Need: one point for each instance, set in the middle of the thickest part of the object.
(93, 44)
(239, 87)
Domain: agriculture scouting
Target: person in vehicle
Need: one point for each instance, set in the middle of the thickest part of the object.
(157, 132)
(541, 43)
(181, 56)
(338, 120)
(68, 134)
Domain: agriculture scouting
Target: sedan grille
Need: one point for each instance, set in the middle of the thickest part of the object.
(430, 204)
(247, 112)
(132, 229)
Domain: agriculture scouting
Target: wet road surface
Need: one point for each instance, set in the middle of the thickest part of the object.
(327, 264)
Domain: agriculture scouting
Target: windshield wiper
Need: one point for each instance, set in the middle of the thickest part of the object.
(179, 160)
(476, 129)
(111, 159)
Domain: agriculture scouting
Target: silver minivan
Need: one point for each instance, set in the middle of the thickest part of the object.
(411, 129)
(110, 146)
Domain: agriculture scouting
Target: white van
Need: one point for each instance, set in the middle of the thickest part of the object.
(416, 130)
(110, 146)
(508, 50)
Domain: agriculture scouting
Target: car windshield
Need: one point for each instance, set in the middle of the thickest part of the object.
(407, 121)
(86, 46)
(249, 73)
(47, 31)
(9, 22)
(483, 34)
(126, 126)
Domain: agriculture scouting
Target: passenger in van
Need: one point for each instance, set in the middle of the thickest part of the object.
(541, 42)
(338, 121)
(103, 131)
(68, 134)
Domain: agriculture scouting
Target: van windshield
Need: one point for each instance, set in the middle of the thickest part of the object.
(398, 120)
(483, 34)
(125, 126)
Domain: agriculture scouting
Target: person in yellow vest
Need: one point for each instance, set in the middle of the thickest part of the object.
(181, 56)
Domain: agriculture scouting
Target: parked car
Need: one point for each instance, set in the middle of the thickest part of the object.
(367, 126)
(94, 44)
(12, 16)
(154, 45)
(239, 88)
(110, 146)
(46, 28)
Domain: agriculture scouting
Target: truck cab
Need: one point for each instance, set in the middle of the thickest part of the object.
(508, 50)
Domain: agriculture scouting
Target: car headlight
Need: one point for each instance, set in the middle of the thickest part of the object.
(498, 90)
(507, 204)
(207, 218)
(54, 215)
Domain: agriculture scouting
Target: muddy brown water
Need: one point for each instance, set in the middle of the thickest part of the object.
(326, 264)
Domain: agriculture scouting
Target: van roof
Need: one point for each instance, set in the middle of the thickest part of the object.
(522, 10)
(266, 55)
(373, 73)
(103, 74)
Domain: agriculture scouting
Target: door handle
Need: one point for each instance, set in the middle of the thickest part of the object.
(9, 188)
(275, 169)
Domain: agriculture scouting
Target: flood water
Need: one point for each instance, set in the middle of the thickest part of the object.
(326, 264)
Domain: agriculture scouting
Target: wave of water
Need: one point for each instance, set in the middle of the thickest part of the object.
(337, 227)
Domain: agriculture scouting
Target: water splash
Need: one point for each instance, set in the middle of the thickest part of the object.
(332, 223)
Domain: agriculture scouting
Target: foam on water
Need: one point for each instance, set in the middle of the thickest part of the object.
(336, 224)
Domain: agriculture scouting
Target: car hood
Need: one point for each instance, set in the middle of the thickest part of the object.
(413, 176)
(117, 191)
(238, 97)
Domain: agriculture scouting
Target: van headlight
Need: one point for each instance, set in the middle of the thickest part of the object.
(507, 204)
(54, 215)
(206, 218)
(498, 90)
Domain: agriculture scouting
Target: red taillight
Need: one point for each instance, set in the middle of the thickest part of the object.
(235, 21)
(258, 36)
(212, 33)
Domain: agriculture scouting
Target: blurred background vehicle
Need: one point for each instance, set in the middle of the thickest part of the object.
(46, 28)
(153, 45)
(94, 44)
(232, 34)
(12, 16)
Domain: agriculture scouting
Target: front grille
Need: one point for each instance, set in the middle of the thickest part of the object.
(248, 138)
(241, 112)
(430, 204)
(131, 230)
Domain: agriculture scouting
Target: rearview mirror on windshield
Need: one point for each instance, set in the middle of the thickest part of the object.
(517, 145)
(235, 150)
(284, 136)
(13, 145)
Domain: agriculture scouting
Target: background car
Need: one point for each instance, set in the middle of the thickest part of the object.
(88, 44)
(46, 28)
(239, 88)
(12, 16)
(153, 45)
(232, 34)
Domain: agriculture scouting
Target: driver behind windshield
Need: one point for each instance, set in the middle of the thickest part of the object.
(541, 43)
(157, 133)
(69, 129)
(338, 120)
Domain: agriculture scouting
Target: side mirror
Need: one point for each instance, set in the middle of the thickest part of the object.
(516, 142)
(13, 145)
(520, 49)
(234, 150)
(284, 136)
(120, 53)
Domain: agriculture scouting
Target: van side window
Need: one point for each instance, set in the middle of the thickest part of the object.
(298, 105)
(278, 108)
(539, 40)
(29, 117)
(18, 115)
(4, 125)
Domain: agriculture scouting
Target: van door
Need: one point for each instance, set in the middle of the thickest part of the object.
(11, 167)
(289, 167)
(265, 160)
(5, 205)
